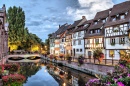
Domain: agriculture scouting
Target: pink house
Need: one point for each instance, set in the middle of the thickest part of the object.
(3, 33)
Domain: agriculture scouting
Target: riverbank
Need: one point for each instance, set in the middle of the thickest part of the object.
(88, 68)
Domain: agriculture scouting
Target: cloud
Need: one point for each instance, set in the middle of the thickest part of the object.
(88, 8)
(34, 23)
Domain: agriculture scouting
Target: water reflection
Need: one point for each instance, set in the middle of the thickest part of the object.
(41, 78)
(66, 76)
(50, 74)
(36, 75)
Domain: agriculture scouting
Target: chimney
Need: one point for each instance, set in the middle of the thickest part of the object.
(83, 17)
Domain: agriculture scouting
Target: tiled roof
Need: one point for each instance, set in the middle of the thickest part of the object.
(60, 29)
(84, 27)
(119, 9)
(75, 23)
(53, 35)
(72, 27)
(99, 15)
(102, 14)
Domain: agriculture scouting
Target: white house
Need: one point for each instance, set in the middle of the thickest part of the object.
(94, 37)
(116, 35)
(52, 43)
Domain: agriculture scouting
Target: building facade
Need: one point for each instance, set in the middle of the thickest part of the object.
(116, 35)
(3, 33)
(108, 31)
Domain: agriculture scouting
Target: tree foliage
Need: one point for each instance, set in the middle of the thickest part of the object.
(18, 34)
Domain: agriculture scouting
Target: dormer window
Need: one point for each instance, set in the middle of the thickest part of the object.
(91, 32)
(98, 30)
(104, 20)
(95, 22)
(117, 15)
(122, 16)
(126, 13)
(113, 18)
(85, 25)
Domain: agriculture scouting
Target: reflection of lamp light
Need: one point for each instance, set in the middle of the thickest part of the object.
(64, 84)
(45, 70)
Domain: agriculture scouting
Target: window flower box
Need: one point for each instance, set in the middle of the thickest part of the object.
(113, 43)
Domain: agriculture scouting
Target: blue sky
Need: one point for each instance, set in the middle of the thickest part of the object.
(44, 16)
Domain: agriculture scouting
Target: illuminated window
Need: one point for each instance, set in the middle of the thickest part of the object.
(111, 53)
(122, 53)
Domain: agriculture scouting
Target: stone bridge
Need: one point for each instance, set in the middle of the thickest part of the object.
(23, 57)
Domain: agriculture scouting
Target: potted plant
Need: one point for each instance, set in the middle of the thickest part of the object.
(51, 56)
(69, 58)
(119, 77)
(113, 43)
(98, 54)
(61, 56)
(80, 60)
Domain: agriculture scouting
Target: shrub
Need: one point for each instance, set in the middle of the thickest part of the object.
(13, 78)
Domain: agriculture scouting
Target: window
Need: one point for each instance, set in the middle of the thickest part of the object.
(113, 18)
(74, 35)
(126, 13)
(98, 30)
(89, 54)
(74, 42)
(91, 32)
(80, 50)
(111, 53)
(112, 41)
(104, 20)
(88, 41)
(95, 22)
(96, 40)
(122, 16)
(79, 42)
(79, 34)
(62, 40)
(77, 50)
(85, 25)
(122, 53)
(122, 40)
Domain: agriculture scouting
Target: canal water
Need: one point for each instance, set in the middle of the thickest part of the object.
(47, 73)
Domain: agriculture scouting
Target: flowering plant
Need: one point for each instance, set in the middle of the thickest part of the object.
(51, 56)
(80, 60)
(98, 54)
(11, 67)
(119, 77)
(13, 78)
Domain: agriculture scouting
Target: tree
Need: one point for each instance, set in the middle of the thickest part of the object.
(18, 34)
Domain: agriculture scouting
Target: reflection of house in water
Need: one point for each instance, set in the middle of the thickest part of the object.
(70, 77)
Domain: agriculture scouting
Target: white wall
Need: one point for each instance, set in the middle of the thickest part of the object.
(117, 45)
(76, 46)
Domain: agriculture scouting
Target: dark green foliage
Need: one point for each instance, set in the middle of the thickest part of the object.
(18, 34)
